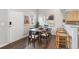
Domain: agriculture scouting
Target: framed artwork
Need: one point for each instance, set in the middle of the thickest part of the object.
(26, 20)
(51, 17)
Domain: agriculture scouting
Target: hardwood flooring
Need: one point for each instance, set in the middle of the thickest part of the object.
(23, 44)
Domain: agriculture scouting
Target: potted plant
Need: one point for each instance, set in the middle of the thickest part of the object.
(37, 24)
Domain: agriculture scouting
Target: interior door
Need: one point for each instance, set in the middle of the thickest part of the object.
(12, 21)
(16, 25)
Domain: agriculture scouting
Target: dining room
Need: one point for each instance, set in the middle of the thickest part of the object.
(39, 29)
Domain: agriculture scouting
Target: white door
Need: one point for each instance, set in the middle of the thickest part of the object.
(16, 25)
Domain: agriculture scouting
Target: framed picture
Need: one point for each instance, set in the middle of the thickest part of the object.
(51, 17)
(26, 19)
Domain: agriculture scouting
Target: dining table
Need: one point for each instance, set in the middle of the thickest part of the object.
(37, 31)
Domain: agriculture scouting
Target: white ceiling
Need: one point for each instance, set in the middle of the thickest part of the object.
(24, 10)
(44, 11)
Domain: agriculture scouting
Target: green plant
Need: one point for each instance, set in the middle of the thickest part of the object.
(37, 24)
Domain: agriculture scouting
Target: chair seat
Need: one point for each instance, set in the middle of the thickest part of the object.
(44, 34)
(33, 36)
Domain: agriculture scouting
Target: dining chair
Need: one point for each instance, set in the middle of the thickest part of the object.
(63, 39)
(32, 38)
(44, 36)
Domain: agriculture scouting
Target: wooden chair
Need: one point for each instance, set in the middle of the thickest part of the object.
(44, 37)
(62, 40)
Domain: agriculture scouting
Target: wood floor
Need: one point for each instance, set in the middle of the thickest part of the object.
(23, 44)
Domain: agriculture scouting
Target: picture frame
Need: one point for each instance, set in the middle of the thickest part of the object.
(26, 20)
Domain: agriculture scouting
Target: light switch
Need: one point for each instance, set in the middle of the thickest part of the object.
(10, 23)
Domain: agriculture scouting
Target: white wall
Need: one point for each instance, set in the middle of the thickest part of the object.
(28, 12)
(3, 26)
(58, 17)
(32, 15)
